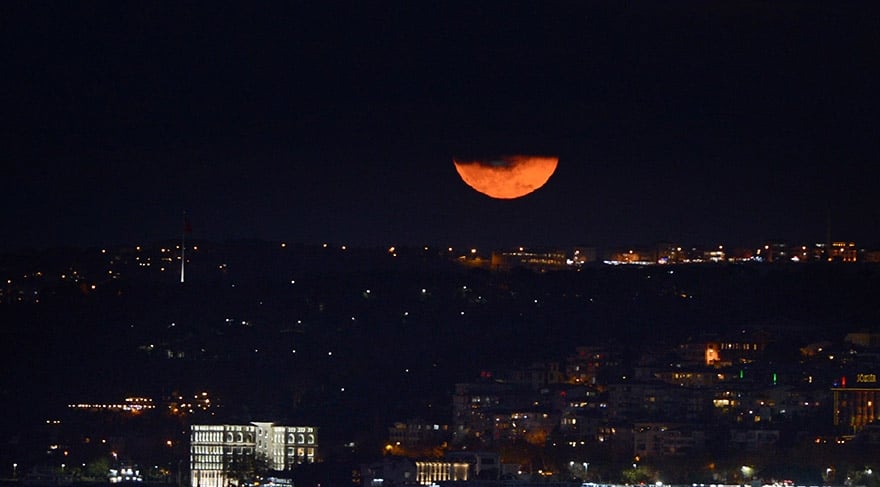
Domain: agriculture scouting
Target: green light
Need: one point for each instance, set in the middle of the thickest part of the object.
(774, 378)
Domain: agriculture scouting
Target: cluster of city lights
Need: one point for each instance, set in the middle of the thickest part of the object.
(131, 404)
(200, 401)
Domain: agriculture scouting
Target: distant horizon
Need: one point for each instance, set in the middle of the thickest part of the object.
(432, 246)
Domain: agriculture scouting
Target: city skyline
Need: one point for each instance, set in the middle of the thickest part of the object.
(111, 361)
(700, 123)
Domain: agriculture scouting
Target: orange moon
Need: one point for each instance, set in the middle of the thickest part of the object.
(507, 177)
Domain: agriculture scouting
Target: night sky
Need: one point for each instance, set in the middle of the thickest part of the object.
(693, 122)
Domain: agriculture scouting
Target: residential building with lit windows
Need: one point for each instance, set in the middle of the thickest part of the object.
(532, 425)
(417, 433)
(669, 253)
(843, 252)
(537, 376)
(774, 252)
(213, 448)
(581, 412)
(691, 377)
(723, 353)
(537, 260)
(518, 403)
(583, 367)
(576, 425)
(650, 400)
(631, 256)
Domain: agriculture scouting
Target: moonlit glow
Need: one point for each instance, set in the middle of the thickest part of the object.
(507, 177)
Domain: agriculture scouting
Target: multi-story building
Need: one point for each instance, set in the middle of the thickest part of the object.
(476, 404)
(532, 425)
(581, 414)
(856, 403)
(417, 433)
(653, 400)
(664, 439)
(580, 425)
(482, 465)
(691, 377)
(583, 367)
(400, 471)
(536, 260)
(843, 252)
(774, 252)
(217, 451)
(722, 353)
(537, 376)
(632, 256)
(669, 253)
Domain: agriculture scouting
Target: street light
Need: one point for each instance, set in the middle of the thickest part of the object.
(14, 470)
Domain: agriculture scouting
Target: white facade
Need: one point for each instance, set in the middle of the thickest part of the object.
(401, 471)
(213, 448)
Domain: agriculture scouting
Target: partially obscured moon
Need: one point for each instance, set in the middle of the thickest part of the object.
(507, 177)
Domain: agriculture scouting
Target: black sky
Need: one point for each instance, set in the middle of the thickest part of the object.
(695, 122)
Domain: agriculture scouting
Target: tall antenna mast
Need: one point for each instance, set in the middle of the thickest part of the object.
(828, 254)
(183, 247)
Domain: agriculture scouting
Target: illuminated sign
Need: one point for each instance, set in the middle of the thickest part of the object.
(866, 377)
